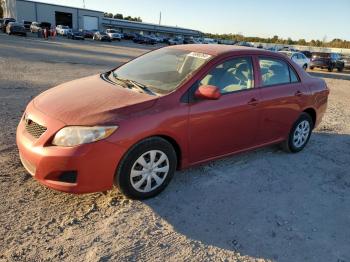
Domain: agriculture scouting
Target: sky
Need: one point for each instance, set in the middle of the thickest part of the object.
(308, 19)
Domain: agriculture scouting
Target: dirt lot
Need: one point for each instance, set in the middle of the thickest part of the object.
(262, 205)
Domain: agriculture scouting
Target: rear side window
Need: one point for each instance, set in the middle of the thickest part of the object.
(276, 72)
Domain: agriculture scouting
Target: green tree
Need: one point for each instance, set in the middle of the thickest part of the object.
(118, 16)
(301, 42)
(109, 15)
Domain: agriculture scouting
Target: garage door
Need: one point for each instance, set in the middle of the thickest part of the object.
(90, 22)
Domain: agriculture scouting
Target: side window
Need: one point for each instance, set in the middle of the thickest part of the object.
(276, 72)
(293, 76)
(232, 75)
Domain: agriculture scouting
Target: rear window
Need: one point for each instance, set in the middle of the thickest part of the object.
(276, 72)
(323, 55)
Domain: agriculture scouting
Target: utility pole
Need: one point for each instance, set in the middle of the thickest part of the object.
(83, 3)
(160, 18)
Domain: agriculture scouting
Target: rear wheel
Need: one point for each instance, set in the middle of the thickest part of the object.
(299, 135)
(146, 169)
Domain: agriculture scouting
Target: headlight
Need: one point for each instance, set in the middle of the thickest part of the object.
(77, 135)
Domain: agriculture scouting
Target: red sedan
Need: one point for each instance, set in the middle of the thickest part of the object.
(169, 109)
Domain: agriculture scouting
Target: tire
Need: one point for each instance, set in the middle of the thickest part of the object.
(330, 68)
(291, 145)
(137, 160)
(305, 67)
(340, 69)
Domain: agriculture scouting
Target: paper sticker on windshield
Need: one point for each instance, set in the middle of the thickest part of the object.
(199, 55)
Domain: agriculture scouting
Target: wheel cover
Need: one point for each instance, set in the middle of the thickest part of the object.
(149, 171)
(301, 134)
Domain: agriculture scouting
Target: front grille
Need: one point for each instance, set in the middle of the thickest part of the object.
(34, 128)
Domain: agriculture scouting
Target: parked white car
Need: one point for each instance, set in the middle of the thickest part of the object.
(298, 58)
(114, 34)
(210, 41)
(176, 41)
(63, 30)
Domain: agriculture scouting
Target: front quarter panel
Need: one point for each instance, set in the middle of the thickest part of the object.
(167, 118)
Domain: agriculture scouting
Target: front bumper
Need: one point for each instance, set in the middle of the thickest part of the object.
(93, 164)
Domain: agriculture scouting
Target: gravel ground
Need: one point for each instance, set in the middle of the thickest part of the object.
(265, 205)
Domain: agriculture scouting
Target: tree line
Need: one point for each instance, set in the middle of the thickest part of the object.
(335, 43)
(120, 16)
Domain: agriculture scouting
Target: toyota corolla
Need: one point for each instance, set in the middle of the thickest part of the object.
(169, 109)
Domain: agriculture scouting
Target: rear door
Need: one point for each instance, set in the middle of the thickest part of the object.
(282, 95)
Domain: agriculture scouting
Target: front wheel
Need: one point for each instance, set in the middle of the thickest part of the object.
(299, 135)
(146, 169)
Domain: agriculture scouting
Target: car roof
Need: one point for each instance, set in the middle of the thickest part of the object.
(290, 52)
(219, 50)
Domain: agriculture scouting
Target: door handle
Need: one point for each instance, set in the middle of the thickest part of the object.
(298, 93)
(253, 102)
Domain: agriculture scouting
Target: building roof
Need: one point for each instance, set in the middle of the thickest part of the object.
(43, 3)
(150, 24)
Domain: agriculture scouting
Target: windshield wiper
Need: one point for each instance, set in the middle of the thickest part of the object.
(134, 84)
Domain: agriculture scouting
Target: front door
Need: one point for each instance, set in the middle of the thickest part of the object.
(229, 124)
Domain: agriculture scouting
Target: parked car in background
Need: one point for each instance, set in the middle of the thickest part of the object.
(328, 61)
(34, 27)
(129, 36)
(88, 33)
(308, 54)
(75, 35)
(272, 49)
(62, 30)
(226, 42)
(176, 41)
(298, 57)
(37, 27)
(287, 48)
(243, 43)
(14, 28)
(168, 109)
(209, 41)
(101, 36)
(189, 40)
(27, 24)
(346, 59)
(141, 39)
(114, 34)
(5, 23)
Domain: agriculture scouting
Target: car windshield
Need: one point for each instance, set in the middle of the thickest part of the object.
(163, 70)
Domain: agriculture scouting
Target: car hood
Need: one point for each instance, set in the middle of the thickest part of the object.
(92, 101)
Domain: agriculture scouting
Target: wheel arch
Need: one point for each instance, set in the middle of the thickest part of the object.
(175, 145)
(311, 112)
(169, 139)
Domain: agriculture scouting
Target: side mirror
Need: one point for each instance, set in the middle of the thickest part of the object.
(208, 92)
